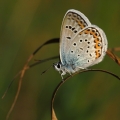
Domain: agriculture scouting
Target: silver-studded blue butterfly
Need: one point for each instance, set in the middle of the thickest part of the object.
(81, 43)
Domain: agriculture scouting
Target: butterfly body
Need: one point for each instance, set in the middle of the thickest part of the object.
(81, 43)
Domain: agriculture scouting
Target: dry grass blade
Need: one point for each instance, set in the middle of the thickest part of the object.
(17, 94)
(53, 115)
(22, 72)
(54, 40)
(45, 60)
(113, 57)
(11, 84)
(116, 49)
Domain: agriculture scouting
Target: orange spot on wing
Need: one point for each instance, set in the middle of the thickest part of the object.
(94, 34)
(87, 32)
(96, 45)
(97, 54)
(80, 23)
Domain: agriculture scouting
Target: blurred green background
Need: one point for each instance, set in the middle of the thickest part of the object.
(26, 24)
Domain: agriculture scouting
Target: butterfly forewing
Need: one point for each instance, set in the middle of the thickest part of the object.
(73, 22)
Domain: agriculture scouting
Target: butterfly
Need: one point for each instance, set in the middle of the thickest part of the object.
(81, 44)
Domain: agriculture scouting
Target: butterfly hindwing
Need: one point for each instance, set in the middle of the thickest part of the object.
(88, 47)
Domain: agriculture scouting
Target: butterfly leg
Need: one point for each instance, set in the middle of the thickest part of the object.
(62, 74)
(81, 68)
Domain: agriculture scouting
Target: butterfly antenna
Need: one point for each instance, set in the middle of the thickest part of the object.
(46, 70)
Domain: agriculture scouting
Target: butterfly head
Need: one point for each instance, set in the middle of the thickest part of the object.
(58, 66)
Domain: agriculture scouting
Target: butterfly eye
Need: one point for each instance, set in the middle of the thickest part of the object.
(58, 65)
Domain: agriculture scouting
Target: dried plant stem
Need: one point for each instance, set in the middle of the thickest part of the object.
(22, 72)
(113, 56)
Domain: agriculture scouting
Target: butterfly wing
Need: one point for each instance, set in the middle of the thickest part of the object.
(73, 22)
(88, 47)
